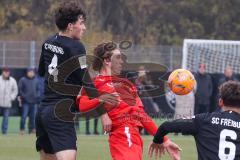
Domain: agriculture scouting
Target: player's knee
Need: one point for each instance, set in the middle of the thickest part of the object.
(46, 156)
(66, 155)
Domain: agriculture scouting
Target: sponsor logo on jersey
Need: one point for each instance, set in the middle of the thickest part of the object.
(53, 48)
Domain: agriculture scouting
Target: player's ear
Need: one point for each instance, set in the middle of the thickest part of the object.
(70, 27)
(107, 60)
(220, 102)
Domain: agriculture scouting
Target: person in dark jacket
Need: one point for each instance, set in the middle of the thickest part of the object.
(29, 93)
(204, 91)
(228, 75)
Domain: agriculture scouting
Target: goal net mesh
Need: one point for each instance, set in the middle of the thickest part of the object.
(215, 54)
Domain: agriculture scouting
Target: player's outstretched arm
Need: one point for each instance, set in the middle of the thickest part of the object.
(172, 148)
(184, 126)
(159, 149)
(86, 104)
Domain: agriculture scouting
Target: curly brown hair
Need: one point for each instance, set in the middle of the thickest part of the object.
(101, 52)
(68, 12)
(230, 93)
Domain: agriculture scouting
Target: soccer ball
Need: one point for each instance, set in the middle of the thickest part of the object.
(181, 81)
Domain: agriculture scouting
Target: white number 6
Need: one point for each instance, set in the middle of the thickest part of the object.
(223, 144)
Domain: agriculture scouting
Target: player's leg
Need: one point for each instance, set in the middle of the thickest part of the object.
(66, 155)
(60, 134)
(43, 144)
(46, 156)
(46, 150)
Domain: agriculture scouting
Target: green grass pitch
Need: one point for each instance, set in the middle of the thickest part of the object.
(22, 147)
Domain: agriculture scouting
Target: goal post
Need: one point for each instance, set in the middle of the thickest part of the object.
(215, 54)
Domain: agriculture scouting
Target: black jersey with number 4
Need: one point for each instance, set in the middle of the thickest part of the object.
(217, 134)
(56, 50)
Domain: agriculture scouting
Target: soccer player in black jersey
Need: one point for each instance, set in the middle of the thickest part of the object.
(56, 138)
(217, 134)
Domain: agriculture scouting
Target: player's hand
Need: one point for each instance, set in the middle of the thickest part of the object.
(110, 98)
(106, 123)
(172, 149)
(158, 149)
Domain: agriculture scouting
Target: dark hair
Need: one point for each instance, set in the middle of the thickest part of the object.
(230, 93)
(68, 12)
(5, 69)
(101, 52)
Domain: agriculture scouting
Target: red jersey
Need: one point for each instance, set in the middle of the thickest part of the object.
(130, 109)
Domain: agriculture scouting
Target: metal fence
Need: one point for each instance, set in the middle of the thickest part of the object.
(23, 54)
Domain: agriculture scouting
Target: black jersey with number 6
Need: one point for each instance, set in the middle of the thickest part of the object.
(217, 134)
(56, 50)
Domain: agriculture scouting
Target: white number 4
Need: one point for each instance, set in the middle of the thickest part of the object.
(53, 64)
(52, 67)
(223, 145)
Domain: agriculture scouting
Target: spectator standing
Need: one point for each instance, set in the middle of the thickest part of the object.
(144, 83)
(8, 92)
(29, 95)
(228, 75)
(204, 90)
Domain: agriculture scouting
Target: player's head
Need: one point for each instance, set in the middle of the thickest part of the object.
(70, 19)
(230, 94)
(108, 57)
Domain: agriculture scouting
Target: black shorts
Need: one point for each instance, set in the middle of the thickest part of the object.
(53, 135)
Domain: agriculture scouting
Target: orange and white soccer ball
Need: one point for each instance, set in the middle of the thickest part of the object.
(181, 81)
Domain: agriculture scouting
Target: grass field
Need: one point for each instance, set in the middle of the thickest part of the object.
(22, 147)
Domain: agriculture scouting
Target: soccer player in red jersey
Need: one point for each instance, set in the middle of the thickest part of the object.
(124, 120)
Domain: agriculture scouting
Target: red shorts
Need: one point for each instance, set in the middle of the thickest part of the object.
(126, 144)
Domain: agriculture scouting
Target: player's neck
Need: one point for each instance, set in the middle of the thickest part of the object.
(105, 72)
(234, 109)
(65, 34)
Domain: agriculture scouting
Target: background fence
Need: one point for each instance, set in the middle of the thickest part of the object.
(23, 54)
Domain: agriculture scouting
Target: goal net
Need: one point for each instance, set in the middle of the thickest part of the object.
(215, 54)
